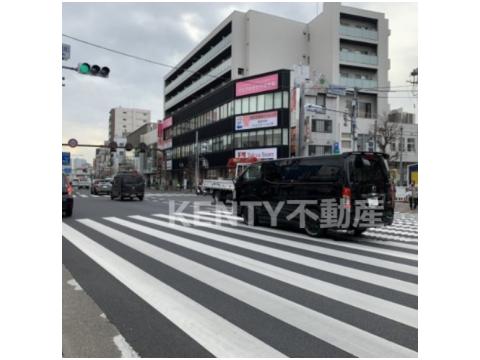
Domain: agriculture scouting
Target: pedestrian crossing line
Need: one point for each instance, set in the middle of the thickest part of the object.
(83, 195)
(376, 235)
(74, 196)
(394, 232)
(301, 236)
(342, 335)
(375, 279)
(390, 310)
(214, 333)
(95, 196)
(312, 248)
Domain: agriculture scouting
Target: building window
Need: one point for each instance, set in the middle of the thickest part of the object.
(393, 146)
(322, 126)
(244, 142)
(319, 150)
(245, 106)
(286, 100)
(268, 101)
(285, 136)
(346, 144)
(261, 137)
(253, 103)
(261, 102)
(320, 100)
(278, 100)
(238, 106)
(216, 116)
(269, 137)
(411, 145)
(237, 140)
(208, 117)
(231, 108)
(277, 136)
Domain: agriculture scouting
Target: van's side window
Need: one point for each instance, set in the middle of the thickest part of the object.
(252, 173)
(271, 172)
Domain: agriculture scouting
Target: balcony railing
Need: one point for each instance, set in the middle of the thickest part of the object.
(358, 33)
(360, 83)
(353, 57)
(204, 80)
(217, 49)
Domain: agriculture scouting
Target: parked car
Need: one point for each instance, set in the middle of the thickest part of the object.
(67, 196)
(101, 186)
(128, 184)
(343, 178)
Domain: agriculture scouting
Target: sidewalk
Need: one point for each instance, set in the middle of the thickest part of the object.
(86, 331)
(404, 207)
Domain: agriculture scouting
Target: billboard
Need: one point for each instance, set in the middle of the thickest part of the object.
(262, 154)
(256, 121)
(256, 85)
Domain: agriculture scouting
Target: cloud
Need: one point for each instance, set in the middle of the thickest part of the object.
(166, 32)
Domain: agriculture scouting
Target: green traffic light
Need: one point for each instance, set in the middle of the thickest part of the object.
(84, 68)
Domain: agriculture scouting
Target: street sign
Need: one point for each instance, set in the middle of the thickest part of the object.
(65, 51)
(317, 109)
(336, 90)
(67, 170)
(72, 143)
(66, 158)
(336, 148)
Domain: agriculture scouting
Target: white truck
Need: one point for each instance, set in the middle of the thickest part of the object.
(222, 189)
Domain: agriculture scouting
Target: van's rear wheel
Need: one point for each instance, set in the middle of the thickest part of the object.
(312, 226)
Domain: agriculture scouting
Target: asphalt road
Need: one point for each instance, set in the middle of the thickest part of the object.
(208, 287)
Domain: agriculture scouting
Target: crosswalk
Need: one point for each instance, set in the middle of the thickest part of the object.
(314, 297)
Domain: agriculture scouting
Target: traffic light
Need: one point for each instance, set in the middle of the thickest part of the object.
(113, 146)
(94, 70)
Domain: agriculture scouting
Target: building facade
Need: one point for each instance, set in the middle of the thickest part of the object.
(244, 118)
(343, 47)
(123, 121)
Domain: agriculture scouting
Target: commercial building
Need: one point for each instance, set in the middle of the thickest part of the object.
(342, 47)
(123, 121)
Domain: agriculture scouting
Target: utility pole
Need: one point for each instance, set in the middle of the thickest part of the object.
(301, 120)
(196, 160)
(354, 118)
(375, 136)
(401, 155)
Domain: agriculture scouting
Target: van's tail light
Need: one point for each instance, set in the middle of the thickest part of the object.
(347, 197)
(70, 190)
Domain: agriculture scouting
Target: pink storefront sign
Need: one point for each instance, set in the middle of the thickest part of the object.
(256, 85)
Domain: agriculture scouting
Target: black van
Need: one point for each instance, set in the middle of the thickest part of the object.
(128, 184)
(353, 187)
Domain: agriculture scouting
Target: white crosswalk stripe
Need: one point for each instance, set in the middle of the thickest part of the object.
(218, 336)
(168, 241)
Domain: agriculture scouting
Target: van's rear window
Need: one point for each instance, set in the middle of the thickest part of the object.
(369, 169)
(130, 179)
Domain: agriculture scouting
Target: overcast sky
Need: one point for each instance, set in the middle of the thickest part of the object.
(166, 32)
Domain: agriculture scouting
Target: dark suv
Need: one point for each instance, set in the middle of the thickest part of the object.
(349, 185)
(67, 196)
(128, 184)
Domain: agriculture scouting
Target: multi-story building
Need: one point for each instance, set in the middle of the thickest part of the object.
(343, 46)
(141, 159)
(123, 121)
(403, 149)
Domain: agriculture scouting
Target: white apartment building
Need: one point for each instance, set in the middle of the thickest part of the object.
(345, 45)
(123, 121)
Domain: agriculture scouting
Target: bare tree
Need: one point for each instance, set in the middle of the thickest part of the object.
(387, 133)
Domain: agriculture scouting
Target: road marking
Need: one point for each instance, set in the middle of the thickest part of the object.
(83, 195)
(356, 274)
(301, 236)
(344, 336)
(354, 298)
(312, 248)
(124, 347)
(95, 196)
(214, 333)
